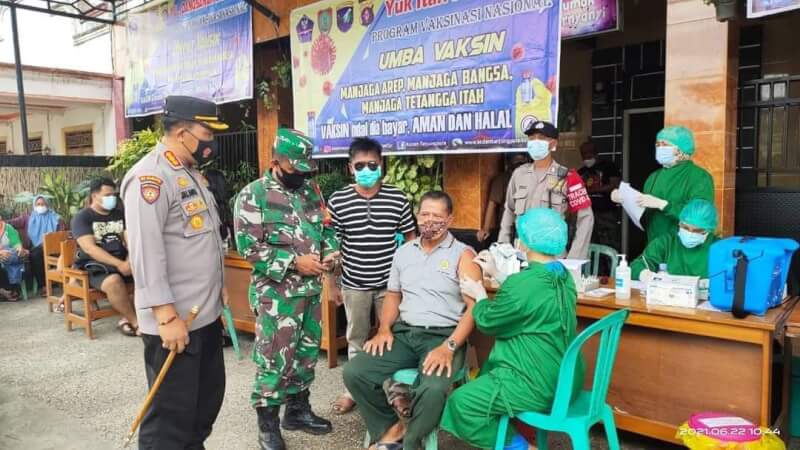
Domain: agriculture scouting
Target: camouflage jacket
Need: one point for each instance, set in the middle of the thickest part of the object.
(273, 225)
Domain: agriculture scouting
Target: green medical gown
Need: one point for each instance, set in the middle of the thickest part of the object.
(679, 259)
(533, 319)
(677, 185)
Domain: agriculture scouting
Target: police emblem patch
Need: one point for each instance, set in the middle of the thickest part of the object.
(183, 182)
(150, 193)
(150, 188)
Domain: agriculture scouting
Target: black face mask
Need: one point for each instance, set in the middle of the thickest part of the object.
(206, 150)
(291, 181)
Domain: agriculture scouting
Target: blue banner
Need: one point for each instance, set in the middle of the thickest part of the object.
(424, 76)
(201, 48)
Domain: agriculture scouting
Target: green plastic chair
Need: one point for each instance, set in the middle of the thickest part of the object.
(589, 407)
(597, 250)
(409, 377)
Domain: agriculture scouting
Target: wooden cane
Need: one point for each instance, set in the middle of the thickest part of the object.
(156, 384)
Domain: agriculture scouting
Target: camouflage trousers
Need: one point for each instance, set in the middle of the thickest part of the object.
(288, 334)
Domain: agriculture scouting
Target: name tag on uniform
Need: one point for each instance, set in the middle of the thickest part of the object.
(193, 207)
(186, 193)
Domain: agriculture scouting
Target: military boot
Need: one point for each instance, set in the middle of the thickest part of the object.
(269, 428)
(298, 416)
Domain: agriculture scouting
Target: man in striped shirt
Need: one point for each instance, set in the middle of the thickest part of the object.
(367, 217)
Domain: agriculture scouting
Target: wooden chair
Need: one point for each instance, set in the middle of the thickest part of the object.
(76, 288)
(52, 251)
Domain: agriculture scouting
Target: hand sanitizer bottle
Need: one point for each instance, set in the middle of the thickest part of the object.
(623, 280)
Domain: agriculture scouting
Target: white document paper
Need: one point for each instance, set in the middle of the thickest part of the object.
(629, 198)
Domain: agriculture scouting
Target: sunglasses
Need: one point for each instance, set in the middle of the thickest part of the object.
(373, 166)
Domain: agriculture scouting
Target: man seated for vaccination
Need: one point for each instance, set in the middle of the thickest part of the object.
(424, 324)
(100, 233)
(533, 320)
(685, 251)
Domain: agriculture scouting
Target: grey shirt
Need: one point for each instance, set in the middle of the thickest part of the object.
(176, 252)
(536, 188)
(428, 283)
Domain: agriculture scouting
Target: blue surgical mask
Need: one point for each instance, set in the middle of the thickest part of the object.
(691, 239)
(109, 202)
(367, 178)
(538, 149)
(665, 155)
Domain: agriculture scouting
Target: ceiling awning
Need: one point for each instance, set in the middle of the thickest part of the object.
(103, 11)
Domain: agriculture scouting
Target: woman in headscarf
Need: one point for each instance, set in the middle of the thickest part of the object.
(533, 319)
(11, 262)
(33, 227)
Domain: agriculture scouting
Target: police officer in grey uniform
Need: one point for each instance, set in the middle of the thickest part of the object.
(542, 183)
(177, 256)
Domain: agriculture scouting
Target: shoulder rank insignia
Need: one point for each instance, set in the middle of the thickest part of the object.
(172, 160)
(150, 188)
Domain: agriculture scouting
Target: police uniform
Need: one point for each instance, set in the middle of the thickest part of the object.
(530, 187)
(177, 257)
(274, 225)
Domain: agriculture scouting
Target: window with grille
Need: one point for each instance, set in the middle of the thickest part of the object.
(79, 142)
(35, 145)
(3, 147)
(769, 133)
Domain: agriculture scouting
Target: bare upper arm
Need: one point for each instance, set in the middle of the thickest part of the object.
(86, 242)
(467, 268)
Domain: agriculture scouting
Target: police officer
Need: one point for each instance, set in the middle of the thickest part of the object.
(282, 230)
(542, 183)
(177, 260)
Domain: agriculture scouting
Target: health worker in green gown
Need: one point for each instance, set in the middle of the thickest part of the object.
(685, 250)
(668, 189)
(533, 320)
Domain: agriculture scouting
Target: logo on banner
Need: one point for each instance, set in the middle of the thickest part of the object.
(305, 29)
(344, 16)
(367, 12)
(325, 20)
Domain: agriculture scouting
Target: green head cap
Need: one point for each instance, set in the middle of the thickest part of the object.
(296, 147)
(543, 230)
(678, 136)
(701, 214)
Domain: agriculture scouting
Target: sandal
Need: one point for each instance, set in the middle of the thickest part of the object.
(127, 329)
(8, 296)
(343, 405)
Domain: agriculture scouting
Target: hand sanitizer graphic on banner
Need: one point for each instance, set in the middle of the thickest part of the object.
(312, 129)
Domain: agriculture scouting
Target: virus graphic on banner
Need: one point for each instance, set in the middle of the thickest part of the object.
(323, 55)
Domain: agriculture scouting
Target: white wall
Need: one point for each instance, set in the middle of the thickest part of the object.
(51, 124)
(47, 41)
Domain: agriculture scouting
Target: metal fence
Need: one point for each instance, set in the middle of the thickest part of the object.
(237, 147)
(52, 161)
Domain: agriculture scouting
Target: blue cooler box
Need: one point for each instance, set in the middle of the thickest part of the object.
(759, 266)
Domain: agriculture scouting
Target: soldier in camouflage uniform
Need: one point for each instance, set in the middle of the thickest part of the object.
(282, 229)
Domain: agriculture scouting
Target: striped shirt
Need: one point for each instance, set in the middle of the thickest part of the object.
(366, 229)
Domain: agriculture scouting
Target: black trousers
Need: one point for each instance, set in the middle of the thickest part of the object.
(187, 404)
(37, 265)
